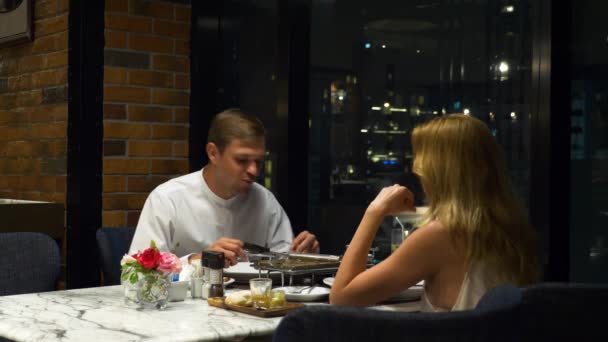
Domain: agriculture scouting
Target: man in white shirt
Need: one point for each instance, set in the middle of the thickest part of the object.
(220, 207)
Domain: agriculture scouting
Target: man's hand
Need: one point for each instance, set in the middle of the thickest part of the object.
(232, 248)
(305, 242)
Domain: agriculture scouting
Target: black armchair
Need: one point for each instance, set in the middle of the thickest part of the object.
(29, 262)
(113, 243)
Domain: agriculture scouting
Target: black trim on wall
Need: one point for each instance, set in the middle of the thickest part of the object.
(205, 62)
(294, 69)
(299, 89)
(84, 140)
(550, 134)
(560, 195)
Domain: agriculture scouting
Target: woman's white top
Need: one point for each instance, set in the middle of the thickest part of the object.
(474, 286)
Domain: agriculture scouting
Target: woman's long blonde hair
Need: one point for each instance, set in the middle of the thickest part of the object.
(464, 176)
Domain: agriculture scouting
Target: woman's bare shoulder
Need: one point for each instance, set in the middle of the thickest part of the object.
(433, 228)
(427, 248)
(446, 246)
(433, 235)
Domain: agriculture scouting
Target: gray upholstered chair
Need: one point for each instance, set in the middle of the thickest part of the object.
(29, 262)
(113, 243)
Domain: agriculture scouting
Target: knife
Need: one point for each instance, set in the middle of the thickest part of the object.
(324, 257)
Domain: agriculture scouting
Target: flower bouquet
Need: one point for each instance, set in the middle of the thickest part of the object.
(146, 276)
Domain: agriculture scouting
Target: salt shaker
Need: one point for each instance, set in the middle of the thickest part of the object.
(196, 280)
(206, 273)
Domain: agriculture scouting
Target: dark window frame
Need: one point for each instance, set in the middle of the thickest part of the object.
(84, 140)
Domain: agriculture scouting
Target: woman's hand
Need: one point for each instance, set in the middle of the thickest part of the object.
(393, 200)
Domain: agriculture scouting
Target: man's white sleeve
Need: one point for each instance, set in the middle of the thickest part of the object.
(281, 234)
(155, 223)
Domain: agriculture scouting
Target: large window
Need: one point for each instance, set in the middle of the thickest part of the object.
(379, 68)
(589, 142)
(355, 77)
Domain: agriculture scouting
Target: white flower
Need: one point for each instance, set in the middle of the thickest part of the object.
(127, 259)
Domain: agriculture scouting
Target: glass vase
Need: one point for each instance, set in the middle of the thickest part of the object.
(146, 290)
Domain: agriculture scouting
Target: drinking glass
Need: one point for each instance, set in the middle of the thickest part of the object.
(261, 294)
(396, 238)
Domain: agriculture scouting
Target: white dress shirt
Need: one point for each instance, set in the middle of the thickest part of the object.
(184, 216)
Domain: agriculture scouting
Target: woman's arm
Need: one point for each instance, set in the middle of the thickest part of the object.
(410, 263)
(418, 258)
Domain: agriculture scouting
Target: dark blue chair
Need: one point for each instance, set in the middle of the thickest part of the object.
(500, 297)
(565, 311)
(29, 262)
(494, 320)
(113, 243)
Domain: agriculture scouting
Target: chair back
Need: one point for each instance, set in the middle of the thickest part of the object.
(332, 323)
(565, 311)
(113, 243)
(502, 296)
(29, 262)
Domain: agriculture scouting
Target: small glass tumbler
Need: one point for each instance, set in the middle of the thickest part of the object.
(396, 238)
(261, 292)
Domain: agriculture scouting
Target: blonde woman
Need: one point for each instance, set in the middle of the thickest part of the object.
(475, 235)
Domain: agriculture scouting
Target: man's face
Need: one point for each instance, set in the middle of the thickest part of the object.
(238, 165)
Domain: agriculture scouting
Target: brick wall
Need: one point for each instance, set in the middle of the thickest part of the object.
(146, 97)
(33, 109)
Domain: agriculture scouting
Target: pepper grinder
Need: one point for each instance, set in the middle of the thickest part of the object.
(206, 273)
(215, 266)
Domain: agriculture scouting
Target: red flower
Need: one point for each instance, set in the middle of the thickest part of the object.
(149, 259)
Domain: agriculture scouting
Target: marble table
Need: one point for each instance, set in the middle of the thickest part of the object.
(99, 314)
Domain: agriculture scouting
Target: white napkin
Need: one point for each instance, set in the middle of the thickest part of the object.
(190, 270)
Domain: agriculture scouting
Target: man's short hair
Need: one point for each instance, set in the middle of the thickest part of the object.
(233, 124)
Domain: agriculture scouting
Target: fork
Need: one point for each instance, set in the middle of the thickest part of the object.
(301, 289)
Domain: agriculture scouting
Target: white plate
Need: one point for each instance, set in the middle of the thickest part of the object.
(307, 294)
(242, 268)
(412, 293)
(243, 271)
(412, 216)
(330, 281)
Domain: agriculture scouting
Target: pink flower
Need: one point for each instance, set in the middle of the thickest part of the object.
(169, 263)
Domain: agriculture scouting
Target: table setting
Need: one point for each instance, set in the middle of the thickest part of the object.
(155, 303)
